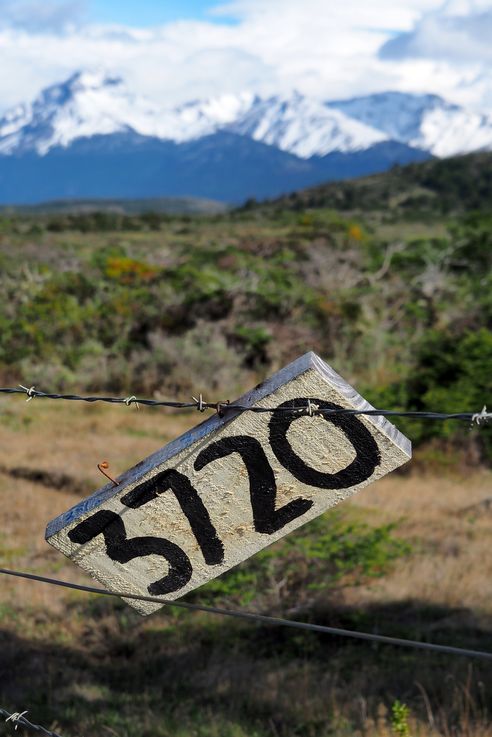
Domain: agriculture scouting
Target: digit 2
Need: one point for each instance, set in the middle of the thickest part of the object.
(262, 486)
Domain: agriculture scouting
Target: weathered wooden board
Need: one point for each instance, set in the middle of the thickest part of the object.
(229, 487)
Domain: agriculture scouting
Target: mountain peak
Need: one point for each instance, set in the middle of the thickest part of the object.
(92, 79)
(80, 82)
(89, 102)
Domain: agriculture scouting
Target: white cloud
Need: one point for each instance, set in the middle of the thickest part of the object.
(460, 32)
(323, 48)
(450, 46)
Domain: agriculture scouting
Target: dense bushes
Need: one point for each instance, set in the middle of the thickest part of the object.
(430, 189)
(450, 373)
(216, 304)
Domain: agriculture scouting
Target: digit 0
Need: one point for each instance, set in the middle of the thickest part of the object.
(362, 467)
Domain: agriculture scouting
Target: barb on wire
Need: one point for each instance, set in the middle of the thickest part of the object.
(311, 409)
(262, 618)
(132, 400)
(482, 416)
(200, 404)
(221, 408)
(18, 718)
(31, 392)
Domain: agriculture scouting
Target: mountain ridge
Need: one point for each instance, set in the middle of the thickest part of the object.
(126, 165)
(96, 103)
(424, 121)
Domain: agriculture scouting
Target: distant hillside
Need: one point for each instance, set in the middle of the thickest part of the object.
(223, 166)
(162, 205)
(437, 186)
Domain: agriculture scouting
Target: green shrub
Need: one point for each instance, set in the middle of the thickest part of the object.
(450, 373)
(330, 552)
(399, 719)
(253, 340)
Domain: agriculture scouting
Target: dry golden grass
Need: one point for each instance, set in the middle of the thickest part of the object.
(452, 565)
(446, 515)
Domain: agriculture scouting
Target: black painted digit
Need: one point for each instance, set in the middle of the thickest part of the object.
(263, 489)
(122, 549)
(362, 467)
(192, 506)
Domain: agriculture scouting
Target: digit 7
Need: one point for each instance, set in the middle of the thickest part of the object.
(192, 506)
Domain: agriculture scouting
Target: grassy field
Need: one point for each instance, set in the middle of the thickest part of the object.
(88, 666)
(388, 279)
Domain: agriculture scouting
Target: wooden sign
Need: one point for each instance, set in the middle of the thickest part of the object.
(229, 487)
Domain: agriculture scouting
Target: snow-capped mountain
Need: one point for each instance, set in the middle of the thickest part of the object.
(86, 105)
(91, 136)
(90, 104)
(423, 121)
(94, 103)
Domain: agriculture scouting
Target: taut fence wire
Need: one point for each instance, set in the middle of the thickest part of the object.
(222, 407)
(259, 618)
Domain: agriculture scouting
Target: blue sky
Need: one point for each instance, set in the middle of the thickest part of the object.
(148, 12)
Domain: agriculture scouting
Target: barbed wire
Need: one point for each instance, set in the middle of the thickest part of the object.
(18, 718)
(222, 407)
(261, 618)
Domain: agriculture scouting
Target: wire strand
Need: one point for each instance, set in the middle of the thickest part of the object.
(222, 407)
(262, 618)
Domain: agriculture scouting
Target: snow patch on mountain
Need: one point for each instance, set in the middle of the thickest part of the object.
(93, 103)
(423, 121)
(446, 133)
(202, 117)
(304, 127)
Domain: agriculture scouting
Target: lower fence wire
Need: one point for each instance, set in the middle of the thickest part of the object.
(261, 618)
(19, 719)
